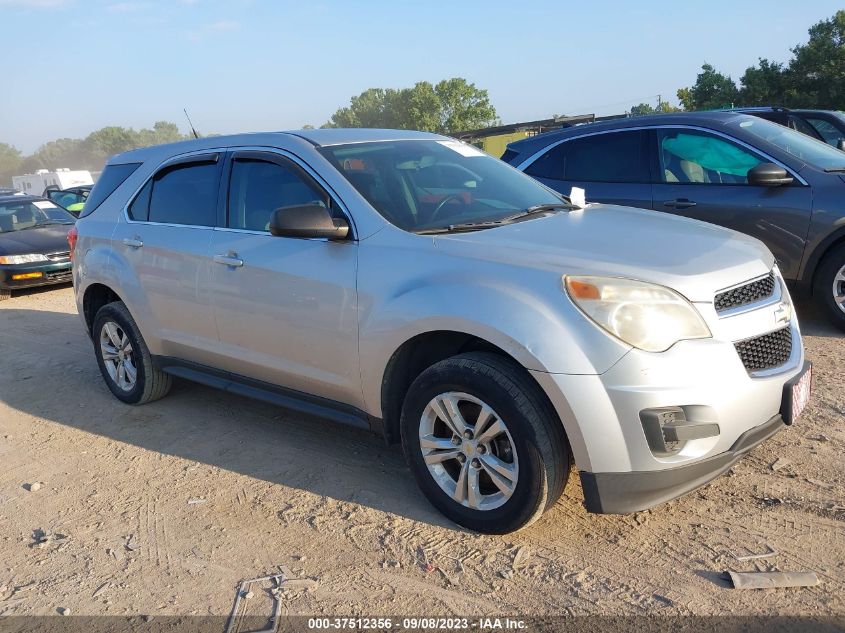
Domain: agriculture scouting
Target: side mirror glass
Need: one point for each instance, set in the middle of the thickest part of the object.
(768, 175)
(307, 221)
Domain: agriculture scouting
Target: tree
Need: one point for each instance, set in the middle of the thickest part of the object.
(111, 140)
(712, 90)
(89, 153)
(10, 161)
(764, 84)
(813, 78)
(817, 70)
(450, 106)
(646, 108)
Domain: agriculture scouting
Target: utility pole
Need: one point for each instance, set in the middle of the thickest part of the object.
(659, 103)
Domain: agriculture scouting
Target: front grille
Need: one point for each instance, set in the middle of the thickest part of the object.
(743, 295)
(59, 275)
(59, 257)
(767, 351)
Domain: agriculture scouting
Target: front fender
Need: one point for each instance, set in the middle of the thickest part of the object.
(525, 313)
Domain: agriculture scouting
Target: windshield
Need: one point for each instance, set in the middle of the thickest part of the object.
(28, 214)
(814, 152)
(424, 185)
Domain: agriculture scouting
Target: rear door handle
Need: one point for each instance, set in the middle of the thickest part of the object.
(228, 260)
(680, 203)
(133, 242)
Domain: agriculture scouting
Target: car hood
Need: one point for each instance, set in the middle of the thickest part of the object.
(45, 239)
(692, 257)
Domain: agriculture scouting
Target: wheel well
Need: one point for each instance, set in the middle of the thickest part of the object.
(96, 296)
(415, 356)
(817, 262)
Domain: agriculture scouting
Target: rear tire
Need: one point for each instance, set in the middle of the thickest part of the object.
(124, 359)
(516, 439)
(829, 289)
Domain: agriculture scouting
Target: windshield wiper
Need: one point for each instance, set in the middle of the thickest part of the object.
(831, 170)
(477, 226)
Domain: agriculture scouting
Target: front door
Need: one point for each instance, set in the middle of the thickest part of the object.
(704, 176)
(286, 308)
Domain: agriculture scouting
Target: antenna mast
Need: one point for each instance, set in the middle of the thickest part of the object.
(185, 110)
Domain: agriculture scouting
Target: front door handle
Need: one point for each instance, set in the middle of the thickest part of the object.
(132, 242)
(228, 260)
(680, 203)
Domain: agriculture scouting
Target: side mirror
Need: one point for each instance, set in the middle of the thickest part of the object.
(768, 175)
(307, 220)
(840, 144)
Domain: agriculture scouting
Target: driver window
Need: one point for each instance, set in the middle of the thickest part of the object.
(257, 188)
(693, 157)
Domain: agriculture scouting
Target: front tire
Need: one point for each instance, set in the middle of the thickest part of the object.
(483, 443)
(829, 290)
(124, 359)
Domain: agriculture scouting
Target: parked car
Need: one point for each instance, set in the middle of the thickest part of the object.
(71, 199)
(413, 285)
(823, 125)
(8, 191)
(735, 170)
(33, 243)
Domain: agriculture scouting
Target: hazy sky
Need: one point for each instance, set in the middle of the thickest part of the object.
(72, 66)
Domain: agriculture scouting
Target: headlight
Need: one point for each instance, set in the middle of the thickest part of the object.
(647, 316)
(22, 259)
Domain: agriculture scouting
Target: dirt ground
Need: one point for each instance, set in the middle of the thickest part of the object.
(163, 509)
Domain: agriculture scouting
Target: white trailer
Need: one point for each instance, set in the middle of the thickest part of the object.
(35, 184)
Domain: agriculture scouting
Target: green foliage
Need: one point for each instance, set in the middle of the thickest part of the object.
(646, 108)
(10, 162)
(817, 70)
(89, 153)
(813, 78)
(711, 90)
(450, 106)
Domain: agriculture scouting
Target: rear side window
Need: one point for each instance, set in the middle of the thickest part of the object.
(112, 177)
(615, 157)
(180, 194)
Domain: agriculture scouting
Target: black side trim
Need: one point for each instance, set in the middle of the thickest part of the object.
(281, 396)
(623, 493)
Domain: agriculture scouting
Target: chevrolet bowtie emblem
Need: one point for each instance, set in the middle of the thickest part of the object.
(783, 313)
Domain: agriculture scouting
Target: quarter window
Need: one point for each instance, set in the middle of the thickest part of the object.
(690, 156)
(615, 157)
(258, 187)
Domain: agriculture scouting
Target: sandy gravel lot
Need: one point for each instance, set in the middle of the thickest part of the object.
(163, 509)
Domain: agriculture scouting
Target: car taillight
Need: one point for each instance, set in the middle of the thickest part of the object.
(72, 236)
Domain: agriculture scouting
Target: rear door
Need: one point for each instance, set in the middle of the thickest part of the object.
(612, 167)
(286, 308)
(165, 242)
(703, 175)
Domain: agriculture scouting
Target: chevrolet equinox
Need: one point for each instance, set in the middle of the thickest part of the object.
(410, 284)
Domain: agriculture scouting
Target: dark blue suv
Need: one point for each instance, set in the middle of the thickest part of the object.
(736, 170)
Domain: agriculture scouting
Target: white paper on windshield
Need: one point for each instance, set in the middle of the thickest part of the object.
(578, 197)
(462, 148)
(43, 204)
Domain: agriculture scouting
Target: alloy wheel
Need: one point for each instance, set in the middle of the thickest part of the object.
(839, 289)
(118, 356)
(468, 450)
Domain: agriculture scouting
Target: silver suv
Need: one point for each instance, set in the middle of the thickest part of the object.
(410, 284)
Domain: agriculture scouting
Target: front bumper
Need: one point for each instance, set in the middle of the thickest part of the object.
(623, 493)
(51, 273)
